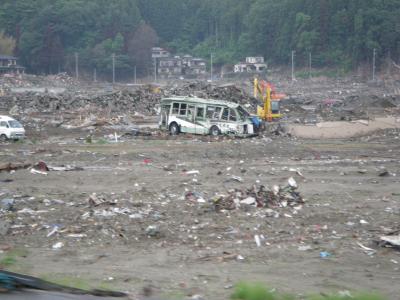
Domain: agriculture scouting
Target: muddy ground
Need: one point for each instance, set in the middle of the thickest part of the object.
(148, 234)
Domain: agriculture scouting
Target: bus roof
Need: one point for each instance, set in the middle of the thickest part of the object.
(195, 100)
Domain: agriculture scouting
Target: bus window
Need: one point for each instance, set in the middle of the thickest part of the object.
(243, 114)
(200, 112)
(175, 108)
(182, 110)
(232, 115)
(217, 113)
(210, 112)
(225, 114)
(191, 112)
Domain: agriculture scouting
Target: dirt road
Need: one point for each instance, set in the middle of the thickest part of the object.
(147, 233)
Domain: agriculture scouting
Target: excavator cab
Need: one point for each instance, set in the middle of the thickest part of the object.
(275, 108)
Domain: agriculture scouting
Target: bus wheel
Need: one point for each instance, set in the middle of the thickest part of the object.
(174, 129)
(214, 131)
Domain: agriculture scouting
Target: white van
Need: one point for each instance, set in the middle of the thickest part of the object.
(10, 129)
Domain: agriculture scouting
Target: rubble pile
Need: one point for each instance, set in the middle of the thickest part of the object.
(62, 79)
(121, 101)
(229, 92)
(323, 99)
(308, 101)
(142, 100)
(8, 82)
(355, 106)
(261, 197)
(27, 80)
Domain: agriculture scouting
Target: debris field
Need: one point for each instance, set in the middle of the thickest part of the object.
(193, 215)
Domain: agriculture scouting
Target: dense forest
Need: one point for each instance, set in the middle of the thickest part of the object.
(49, 33)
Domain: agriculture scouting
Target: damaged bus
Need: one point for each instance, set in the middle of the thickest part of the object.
(204, 116)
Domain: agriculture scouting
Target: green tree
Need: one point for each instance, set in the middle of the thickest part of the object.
(48, 32)
(139, 47)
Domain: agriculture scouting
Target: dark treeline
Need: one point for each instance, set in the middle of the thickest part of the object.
(342, 33)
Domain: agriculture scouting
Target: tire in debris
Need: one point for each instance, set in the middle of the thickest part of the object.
(174, 129)
(214, 131)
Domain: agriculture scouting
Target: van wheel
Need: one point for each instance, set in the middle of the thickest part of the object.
(174, 129)
(214, 131)
(3, 138)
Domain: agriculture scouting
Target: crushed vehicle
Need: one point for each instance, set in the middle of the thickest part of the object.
(205, 116)
(10, 129)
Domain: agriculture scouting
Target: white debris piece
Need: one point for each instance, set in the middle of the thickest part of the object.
(257, 240)
(34, 171)
(391, 239)
(58, 245)
(53, 231)
(192, 172)
(275, 189)
(292, 183)
(367, 250)
(237, 178)
(304, 248)
(249, 201)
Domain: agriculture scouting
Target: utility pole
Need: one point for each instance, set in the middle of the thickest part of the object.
(310, 64)
(113, 68)
(95, 75)
(293, 53)
(76, 65)
(155, 69)
(211, 69)
(216, 33)
(373, 65)
(134, 74)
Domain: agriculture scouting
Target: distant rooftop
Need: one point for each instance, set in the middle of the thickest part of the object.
(7, 57)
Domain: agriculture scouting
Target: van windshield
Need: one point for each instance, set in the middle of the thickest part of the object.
(15, 124)
(243, 114)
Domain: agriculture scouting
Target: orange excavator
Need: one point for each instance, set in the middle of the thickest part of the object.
(271, 108)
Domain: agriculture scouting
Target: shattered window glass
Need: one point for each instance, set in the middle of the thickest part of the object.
(217, 113)
(225, 114)
(210, 111)
(232, 115)
(242, 113)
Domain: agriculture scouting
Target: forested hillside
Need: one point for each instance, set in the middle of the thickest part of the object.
(343, 33)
